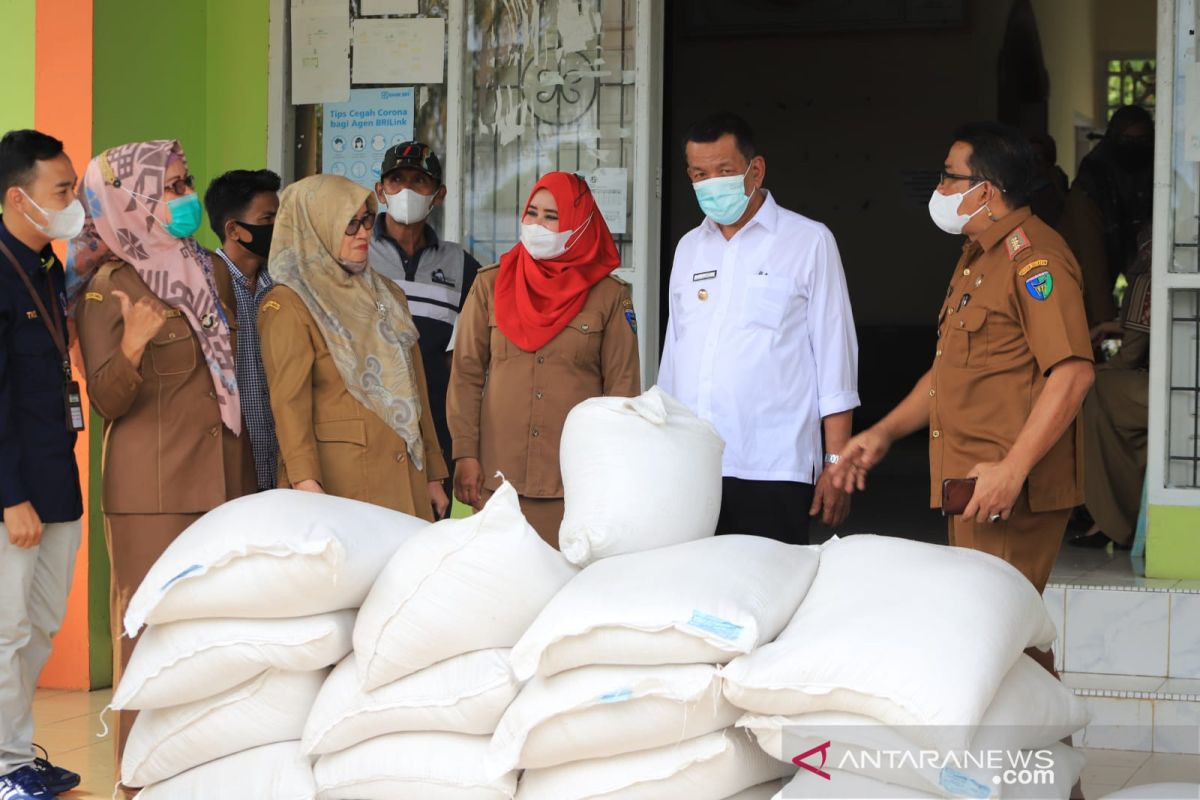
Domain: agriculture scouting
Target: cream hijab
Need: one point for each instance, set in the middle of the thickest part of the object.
(370, 334)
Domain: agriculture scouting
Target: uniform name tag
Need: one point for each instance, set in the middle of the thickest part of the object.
(704, 276)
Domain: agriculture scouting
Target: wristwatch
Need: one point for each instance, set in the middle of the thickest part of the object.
(832, 458)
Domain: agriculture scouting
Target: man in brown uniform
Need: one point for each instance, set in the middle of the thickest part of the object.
(1012, 366)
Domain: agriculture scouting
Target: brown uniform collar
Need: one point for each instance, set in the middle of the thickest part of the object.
(1001, 228)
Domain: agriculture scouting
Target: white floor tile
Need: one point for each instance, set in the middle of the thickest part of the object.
(1185, 636)
(1183, 686)
(1176, 727)
(1114, 683)
(1128, 758)
(1164, 768)
(1115, 632)
(1119, 724)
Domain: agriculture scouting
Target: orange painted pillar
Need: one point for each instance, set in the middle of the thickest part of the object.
(63, 109)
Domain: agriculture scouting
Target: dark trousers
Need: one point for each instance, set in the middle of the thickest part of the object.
(774, 509)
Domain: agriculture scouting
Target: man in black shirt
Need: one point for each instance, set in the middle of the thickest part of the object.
(40, 414)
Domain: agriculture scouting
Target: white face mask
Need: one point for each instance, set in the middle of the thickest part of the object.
(407, 206)
(543, 244)
(943, 210)
(65, 223)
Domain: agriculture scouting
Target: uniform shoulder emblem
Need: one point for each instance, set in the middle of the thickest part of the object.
(630, 314)
(1040, 285)
(1016, 243)
(271, 305)
(94, 296)
(1032, 265)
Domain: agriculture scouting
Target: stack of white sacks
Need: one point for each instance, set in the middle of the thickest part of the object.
(622, 693)
(247, 610)
(903, 675)
(411, 712)
(647, 660)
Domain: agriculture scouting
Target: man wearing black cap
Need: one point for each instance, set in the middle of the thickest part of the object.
(436, 275)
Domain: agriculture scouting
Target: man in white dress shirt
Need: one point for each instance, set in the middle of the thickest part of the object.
(761, 340)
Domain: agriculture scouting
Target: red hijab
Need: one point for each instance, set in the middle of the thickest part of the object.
(535, 299)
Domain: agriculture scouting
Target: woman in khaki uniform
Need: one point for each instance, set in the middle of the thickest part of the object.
(546, 330)
(343, 366)
(155, 325)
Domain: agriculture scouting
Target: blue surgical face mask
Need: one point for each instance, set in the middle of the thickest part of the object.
(723, 200)
(185, 216)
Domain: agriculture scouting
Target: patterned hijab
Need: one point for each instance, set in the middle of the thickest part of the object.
(122, 195)
(370, 334)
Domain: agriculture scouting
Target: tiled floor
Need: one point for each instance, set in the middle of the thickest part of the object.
(1082, 567)
(68, 724)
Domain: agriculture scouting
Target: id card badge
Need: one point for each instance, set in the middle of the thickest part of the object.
(73, 399)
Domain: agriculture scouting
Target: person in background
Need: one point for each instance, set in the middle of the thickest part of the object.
(343, 366)
(547, 328)
(1012, 366)
(241, 209)
(39, 480)
(156, 323)
(1116, 417)
(436, 275)
(761, 340)
(1050, 183)
(1111, 199)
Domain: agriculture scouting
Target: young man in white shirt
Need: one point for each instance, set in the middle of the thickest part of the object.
(761, 340)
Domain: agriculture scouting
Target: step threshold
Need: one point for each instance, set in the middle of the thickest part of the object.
(1132, 687)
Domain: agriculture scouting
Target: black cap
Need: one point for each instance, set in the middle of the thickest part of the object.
(415, 155)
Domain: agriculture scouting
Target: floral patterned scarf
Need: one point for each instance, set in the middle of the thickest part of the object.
(122, 195)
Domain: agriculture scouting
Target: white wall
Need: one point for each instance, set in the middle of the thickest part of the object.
(1068, 30)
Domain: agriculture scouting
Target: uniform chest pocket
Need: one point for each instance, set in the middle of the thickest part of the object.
(173, 350)
(498, 344)
(582, 338)
(767, 298)
(967, 345)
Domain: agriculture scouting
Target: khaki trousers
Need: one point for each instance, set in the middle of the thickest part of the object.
(1115, 419)
(34, 583)
(1028, 540)
(135, 541)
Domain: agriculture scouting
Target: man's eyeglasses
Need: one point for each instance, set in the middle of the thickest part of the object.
(946, 177)
(180, 185)
(358, 223)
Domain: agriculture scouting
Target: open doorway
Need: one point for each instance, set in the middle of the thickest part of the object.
(853, 106)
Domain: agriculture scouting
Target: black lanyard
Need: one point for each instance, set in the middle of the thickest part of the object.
(57, 327)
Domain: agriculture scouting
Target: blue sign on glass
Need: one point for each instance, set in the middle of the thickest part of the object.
(357, 133)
